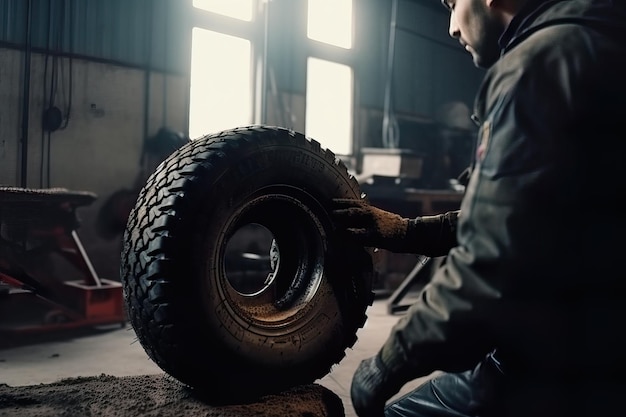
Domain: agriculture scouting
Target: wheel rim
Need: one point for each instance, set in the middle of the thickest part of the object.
(300, 235)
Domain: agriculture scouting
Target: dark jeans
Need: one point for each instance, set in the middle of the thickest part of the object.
(472, 393)
(486, 391)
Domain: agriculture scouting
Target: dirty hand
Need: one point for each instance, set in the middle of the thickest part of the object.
(372, 385)
(368, 225)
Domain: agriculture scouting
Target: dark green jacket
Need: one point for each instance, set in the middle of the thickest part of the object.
(537, 272)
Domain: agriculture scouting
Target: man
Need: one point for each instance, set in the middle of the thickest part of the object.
(525, 317)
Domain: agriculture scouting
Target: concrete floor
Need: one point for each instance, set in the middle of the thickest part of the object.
(113, 350)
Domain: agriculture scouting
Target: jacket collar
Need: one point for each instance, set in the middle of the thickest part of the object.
(606, 15)
(523, 19)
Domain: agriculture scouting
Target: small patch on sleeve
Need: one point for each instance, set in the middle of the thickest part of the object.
(485, 133)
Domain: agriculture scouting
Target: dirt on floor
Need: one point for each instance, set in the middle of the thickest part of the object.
(154, 396)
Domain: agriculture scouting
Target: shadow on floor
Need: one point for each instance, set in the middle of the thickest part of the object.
(156, 395)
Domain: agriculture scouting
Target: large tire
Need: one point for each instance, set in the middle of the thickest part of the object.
(190, 318)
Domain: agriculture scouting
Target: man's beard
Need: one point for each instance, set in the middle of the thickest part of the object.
(487, 52)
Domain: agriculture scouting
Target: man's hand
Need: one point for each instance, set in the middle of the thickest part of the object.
(374, 227)
(368, 225)
(372, 386)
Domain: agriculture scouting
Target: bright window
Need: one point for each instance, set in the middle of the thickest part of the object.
(221, 83)
(330, 21)
(329, 105)
(238, 9)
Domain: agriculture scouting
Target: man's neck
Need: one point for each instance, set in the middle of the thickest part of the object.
(509, 8)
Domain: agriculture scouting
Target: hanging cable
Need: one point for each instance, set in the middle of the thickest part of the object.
(54, 82)
(165, 63)
(149, 29)
(26, 96)
(391, 131)
(55, 86)
(44, 132)
(70, 62)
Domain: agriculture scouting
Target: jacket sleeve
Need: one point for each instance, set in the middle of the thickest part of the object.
(431, 235)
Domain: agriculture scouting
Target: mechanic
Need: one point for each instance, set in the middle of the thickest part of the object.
(525, 316)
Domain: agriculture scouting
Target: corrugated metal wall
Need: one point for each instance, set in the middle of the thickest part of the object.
(429, 67)
(141, 33)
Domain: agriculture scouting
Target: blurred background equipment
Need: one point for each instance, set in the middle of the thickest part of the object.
(50, 282)
(112, 216)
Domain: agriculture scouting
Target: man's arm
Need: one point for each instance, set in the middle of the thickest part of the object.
(374, 227)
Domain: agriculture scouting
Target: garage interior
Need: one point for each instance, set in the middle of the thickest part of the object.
(96, 94)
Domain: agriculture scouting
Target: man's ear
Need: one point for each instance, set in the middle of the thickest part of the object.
(506, 8)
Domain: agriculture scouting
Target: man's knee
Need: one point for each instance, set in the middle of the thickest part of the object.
(470, 393)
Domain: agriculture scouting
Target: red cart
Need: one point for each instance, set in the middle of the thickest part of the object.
(46, 278)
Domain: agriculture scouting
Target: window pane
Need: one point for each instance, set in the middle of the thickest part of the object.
(238, 9)
(221, 83)
(330, 21)
(329, 105)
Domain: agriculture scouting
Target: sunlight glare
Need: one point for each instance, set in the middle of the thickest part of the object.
(330, 21)
(329, 105)
(238, 9)
(221, 83)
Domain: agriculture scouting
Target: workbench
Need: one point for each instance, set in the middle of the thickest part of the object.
(410, 201)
